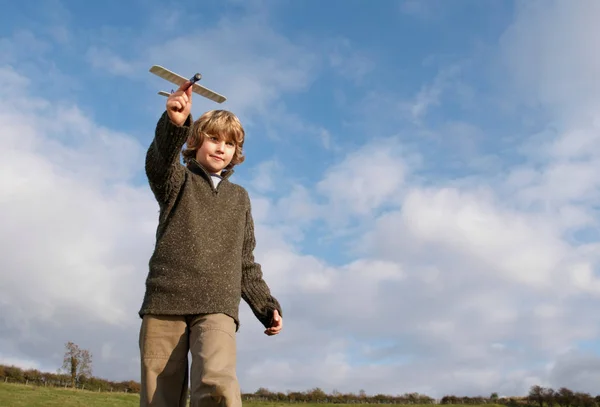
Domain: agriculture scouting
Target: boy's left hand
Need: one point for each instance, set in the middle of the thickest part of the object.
(276, 324)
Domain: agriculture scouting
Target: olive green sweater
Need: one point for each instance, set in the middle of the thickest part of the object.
(203, 260)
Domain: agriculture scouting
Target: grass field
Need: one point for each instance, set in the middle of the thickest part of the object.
(20, 395)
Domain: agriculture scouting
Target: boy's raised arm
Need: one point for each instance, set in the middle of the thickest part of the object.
(163, 169)
(255, 290)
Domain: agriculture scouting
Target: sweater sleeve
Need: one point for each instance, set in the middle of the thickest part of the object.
(254, 288)
(164, 171)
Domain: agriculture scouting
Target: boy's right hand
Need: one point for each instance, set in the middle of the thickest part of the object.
(179, 104)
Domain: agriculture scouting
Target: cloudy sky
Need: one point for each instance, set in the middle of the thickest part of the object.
(424, 174)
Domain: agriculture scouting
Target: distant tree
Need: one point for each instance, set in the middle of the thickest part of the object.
(564, 397)
(133, 387)
(536, 395)
(494, 397)
(450, 399)
(549, 396)
(32, 375)
(263, 392)
(584, 400)
(14, 374)
(317, 395)
(77, 362)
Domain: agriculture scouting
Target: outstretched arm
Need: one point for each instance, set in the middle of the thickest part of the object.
(164, 171)
(254, 288)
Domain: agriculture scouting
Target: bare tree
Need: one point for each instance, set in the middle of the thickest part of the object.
(77, 362)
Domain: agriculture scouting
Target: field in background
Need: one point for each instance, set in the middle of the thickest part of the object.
(21, 395)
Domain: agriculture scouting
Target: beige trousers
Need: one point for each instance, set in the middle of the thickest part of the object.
(164, 345)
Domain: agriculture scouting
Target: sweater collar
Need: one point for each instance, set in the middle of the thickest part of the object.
(197, 168)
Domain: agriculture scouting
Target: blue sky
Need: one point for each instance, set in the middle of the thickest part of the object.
(423, 176)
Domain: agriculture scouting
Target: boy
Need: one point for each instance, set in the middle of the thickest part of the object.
(202, 264)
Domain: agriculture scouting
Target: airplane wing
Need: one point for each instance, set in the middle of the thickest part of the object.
(207, 93)
(180, 80)
(163, 93)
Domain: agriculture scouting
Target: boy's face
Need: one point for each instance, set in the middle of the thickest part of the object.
(215, 153)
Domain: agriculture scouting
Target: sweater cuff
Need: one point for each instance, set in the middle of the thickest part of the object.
(267, 318)
(171, 138)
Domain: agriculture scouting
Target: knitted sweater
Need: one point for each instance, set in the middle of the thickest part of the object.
(203, 259)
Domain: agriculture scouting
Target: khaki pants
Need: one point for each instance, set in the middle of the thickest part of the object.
(164, 345)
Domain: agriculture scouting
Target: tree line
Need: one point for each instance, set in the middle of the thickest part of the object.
(317, 395)
(76, 372)
(13, 374)
(563, 397)
(538, 397)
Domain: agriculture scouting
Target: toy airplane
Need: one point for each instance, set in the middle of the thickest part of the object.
(180, 80)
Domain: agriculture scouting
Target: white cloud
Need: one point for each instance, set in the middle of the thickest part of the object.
(365, 180)
(518, 245)
(430, 94)
(75, 233)
(265, 174)
(551, 54)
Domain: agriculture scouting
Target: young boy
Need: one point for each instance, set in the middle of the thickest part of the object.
(202, 264)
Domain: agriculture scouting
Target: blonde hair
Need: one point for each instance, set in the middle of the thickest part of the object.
(217, 123)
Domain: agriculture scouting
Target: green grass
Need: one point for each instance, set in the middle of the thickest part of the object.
(20, 395)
